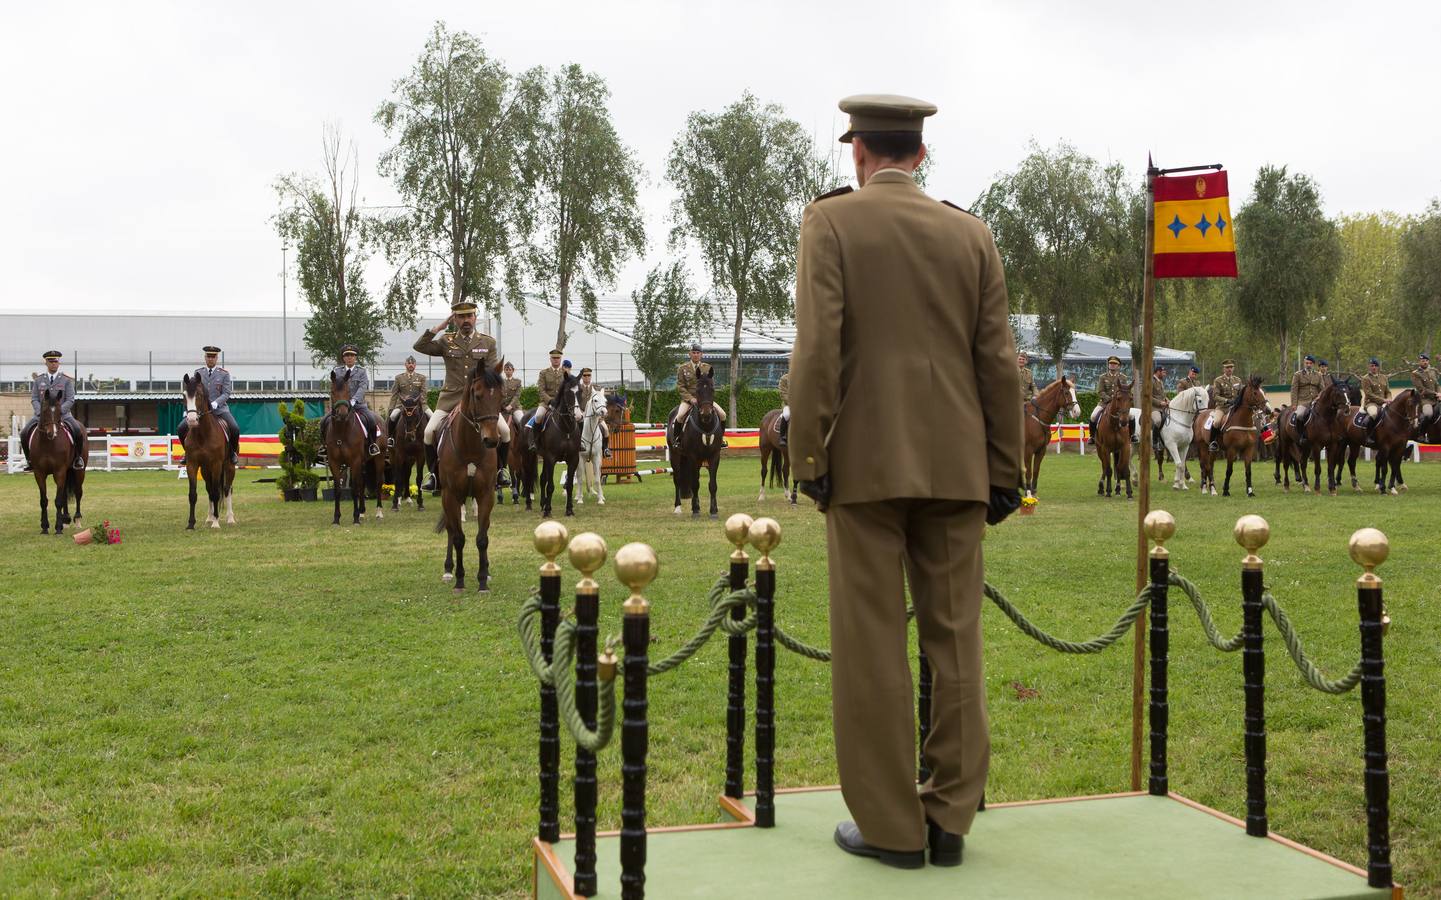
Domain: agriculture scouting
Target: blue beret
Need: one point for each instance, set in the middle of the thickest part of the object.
(1310, 358)
(1425, 356)
(1375, 361)
(1196, 369)
(1324, 363)
(565, 364)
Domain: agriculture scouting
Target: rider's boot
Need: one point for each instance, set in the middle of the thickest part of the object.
(783, 437)
(372, 434)
(235, 449)
(1091, 435)
(605, 445)
(530, 436)
(1212, 444)
(502, 454)
(1156, 439)
(432, 462)
(79, 462)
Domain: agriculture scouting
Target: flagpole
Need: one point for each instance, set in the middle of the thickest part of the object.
(1148, 350)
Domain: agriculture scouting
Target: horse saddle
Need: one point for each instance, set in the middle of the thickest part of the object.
(1359, 420)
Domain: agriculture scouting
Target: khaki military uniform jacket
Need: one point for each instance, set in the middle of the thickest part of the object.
(1185, 384)
(1028, 385)
(548, 382)
(405, 383)
(462, 356)
(1158, 393)
(586, 392)
(785, 388)
(1375, 388)
(685, 378)
(859, 297)
(510, 394)
(1106, 386)
(1304, 387)
(1224, 388)
(1424, 381)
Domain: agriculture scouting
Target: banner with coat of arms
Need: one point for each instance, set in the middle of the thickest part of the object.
(1194, 236)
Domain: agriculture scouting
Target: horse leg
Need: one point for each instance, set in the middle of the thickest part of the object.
(1249, 492)
(77, 490)
(45, 505)
(190, 470)
(714, 471)
(676, 474)
(695, 492)
(335, 491)
(482, 547)
(765, 458)
(61, 509)
(1226, 486)
(402, 485)
(376, 468)
(570, 467)
(457, 545)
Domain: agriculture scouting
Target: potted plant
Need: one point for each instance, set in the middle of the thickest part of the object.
(300, 439)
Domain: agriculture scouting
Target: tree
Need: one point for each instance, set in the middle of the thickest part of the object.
(1045, 219)
(666, 315)
(464, 164)
(322, 217)
(588, 214)
(1419, 284)
(1121, 205)
(743, 177)
(1287, 253)
(1364, 307)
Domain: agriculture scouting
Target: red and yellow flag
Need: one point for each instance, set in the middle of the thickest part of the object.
(1194, 237)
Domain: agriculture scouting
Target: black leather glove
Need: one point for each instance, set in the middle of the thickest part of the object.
(1004, 501)
(818, 490)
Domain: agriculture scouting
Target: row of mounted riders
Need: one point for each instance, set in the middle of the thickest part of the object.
(1334, 422)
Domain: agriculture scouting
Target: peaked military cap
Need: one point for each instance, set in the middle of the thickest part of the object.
(585, 371)
(1158, 367)
(50, 354)
(210, 348)
(410, 358)
(884, 112)
(555, 354)
(463, 306)
(1113, 359)
(695, 348)
(1228, 362)
(348, 348)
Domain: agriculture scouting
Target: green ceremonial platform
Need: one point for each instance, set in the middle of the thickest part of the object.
(779, 842)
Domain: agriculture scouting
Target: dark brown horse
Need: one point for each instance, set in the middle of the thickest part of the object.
(1239, 430)
(409, 451)
(699, 443)
(522, 462)
(1113, 443)
(207, 454)
(775, 457)
(468, 451)
(1393, 432)
(51, 452)
(346, 454)
(559, 441)
(1323, 430)
(1040, 413)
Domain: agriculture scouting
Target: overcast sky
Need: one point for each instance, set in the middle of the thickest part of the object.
(142, 140)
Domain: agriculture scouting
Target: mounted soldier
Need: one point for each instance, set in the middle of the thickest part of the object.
(357, 382)
(547, 384)
(1028, 381)
(465, 350)
(54, 379)
(1375, 391)
(685, 380)
(1158, 405)
(784, 386)
(1306, 385)
(407, 382)
(1192, 379)
(1327, 379)
(1423, 378)
(587, 390)
(217, 388)
(1224, 388)
(510, 396)
(1106, 386)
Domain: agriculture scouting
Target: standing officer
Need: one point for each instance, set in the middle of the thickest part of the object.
(1158, 404)
(784, 386)
(1105, 389)
(217, 387)
(1191, 380)
(1224, 388)
(548, 384)
(685, 383)
(881, 268)
(587, 390)
(464, 350)
(1305, 385)
(52, 377)
(1028, 381)
(357, 385)
(407, 382)
(1423, 378)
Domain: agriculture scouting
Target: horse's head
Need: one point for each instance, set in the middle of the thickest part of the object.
(615, 410)
(197, 398)
(1121, 400)
(51, 414)
(1406, 402)
(410, 411)
(480, 405)
(339, 396)
(1252, 398)
(596, 407)
(1068, 395)
(705, 394)
(567, 399)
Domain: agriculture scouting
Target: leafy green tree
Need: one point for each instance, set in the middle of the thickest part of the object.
(1288, 255)
(667, 314)
(588, 218)
(743, 177)
(1045, 219)
(464, 163)
(1419, 283)
(321, 216)
(1364, 307)
(1121, 205)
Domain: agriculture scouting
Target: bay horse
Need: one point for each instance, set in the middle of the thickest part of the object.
(467, 450)
(1322, 431)
(51, 452)
(1239, 431)
(346, 454)
(1113, 442)
(699, 444)
(1178, 430)
(1041, 413)
(207, 454)
(409, 451)
(559, 441)
(1393, 432)
(775, 457)
(522, 462)
(592, 445)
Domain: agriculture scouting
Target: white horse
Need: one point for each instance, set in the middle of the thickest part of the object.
(1179, 428)
(591, 443)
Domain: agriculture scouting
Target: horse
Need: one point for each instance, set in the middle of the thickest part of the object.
(409, 451)
(467, 450)
(592, 447)
(1178, 431)
(699, 443)
(1113, 442)
(522, 463)
(775, 457)
(1041, 411)
(347, 453)
(559, 440)
(51, 452)
(1321, 431)
(207, 452)
(1238, 433)
(1393, 432)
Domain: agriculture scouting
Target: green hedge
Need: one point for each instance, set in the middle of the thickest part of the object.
(753, 406)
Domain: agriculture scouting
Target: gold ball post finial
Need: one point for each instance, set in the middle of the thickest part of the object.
(1251, 532)
(765, 536)
(738, 530)
(1160, 525)
(1369, 549)
(636, 566)
(587, 553)
(550, 539)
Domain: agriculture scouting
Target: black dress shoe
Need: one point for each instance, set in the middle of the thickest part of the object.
(848, 838)
(946, 848)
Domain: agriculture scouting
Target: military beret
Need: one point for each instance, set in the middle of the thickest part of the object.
(1113, 359)
(585, 370)
(554, 354)
(51, 354)
(884, 112)
(1228, 362)
(565, 364)
(463, 306)
(1375, 361)
(1310, 358)
(348, 348)
(1425, 356)
(1196, 369)
(1323, 363)
(1159, 367)
(695, 348)
(209, 348)
(509, 364)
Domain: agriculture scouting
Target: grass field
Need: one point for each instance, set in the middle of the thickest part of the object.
(289, 708)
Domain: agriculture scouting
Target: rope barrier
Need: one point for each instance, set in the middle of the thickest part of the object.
(1094, 645)
(564, 659)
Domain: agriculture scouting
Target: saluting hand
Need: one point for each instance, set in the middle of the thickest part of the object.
(445, 322)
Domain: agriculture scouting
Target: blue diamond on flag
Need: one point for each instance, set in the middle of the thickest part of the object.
(1203, 225)
(1220, 224)
(1177, 226)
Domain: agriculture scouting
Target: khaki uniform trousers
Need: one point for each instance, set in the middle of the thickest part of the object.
(937, 545)
(438, 418)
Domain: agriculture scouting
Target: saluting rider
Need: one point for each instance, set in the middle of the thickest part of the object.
(52, 377)
(463, 350)
(217, 387)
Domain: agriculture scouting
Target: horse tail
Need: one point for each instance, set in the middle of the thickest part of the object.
(440, 524)
(682, 475)
(775, 474)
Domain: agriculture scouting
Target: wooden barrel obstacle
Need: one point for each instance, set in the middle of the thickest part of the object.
(637, 566)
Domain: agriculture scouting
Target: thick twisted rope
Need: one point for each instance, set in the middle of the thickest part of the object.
(1203, 612)
(1094, 645)
(560, 675)
(1308, 669)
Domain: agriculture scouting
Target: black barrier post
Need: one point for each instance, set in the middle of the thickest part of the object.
(1369, 548)
(923, 715)
(765, 535)
(1159, 527)
(587, 553)
(550, 540)
(1252, 532)
(737, 529)
(636, 567)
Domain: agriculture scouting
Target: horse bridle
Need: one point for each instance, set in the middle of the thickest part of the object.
(472, 421)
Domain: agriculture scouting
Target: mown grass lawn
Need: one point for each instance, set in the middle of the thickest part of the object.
(286, 707)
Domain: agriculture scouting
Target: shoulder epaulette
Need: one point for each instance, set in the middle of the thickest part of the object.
(222, 369)
(962, 209)
(838, 192)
